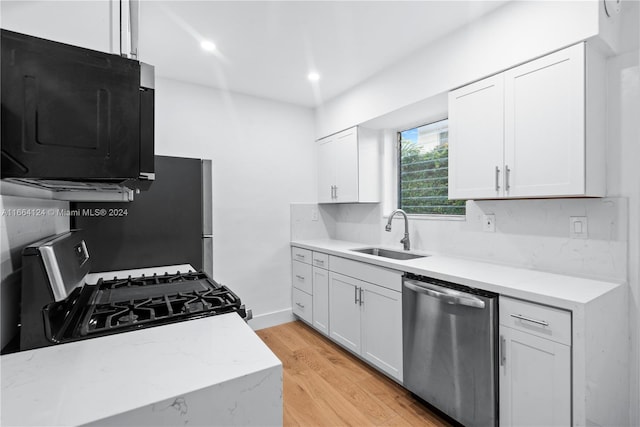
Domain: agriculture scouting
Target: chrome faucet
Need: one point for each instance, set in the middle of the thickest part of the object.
(405, 240)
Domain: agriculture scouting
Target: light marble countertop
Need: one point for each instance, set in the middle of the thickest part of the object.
(89, 380)
(542, 287)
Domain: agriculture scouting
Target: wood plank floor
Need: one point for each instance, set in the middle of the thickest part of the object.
(325, 385)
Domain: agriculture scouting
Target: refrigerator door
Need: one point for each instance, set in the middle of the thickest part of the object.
(162, 226)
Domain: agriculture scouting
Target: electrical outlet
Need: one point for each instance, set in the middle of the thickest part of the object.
(314, 214)
(578, 227)
(489, 223)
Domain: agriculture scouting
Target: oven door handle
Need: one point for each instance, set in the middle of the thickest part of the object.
(449, 296)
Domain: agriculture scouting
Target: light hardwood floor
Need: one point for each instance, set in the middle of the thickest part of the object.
(325, 385)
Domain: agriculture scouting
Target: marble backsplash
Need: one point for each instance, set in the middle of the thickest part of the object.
(529, 233)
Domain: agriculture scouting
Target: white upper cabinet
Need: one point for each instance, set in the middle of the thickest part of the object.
(89, 24)
(348, 167)
(476, 119)
(535, 130)
(544, 126)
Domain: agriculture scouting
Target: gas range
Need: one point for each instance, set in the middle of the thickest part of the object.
(60, 306)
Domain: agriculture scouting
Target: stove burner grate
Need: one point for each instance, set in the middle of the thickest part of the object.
(145, 301)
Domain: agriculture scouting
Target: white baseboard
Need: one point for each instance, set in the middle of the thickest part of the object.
(274, 318)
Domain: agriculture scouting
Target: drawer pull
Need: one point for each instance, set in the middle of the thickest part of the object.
(300, 256)
(528, 319)
(300, 305)
(299, 277)
(319, 261)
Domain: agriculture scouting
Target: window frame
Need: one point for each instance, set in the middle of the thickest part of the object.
(398, 164)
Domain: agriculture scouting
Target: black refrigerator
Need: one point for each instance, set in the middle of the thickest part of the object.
(171, 223)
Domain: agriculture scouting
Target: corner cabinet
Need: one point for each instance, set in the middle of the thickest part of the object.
(536, 130)
(348, 167)
(535, 364)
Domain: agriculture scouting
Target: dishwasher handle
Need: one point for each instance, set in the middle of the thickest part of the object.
(447, 295)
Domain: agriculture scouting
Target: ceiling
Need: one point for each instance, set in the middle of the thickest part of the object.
(267, 48)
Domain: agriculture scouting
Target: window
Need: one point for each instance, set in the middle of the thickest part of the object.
(423, 171)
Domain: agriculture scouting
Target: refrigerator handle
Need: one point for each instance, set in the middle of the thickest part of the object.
(207, 255)
(207, 198)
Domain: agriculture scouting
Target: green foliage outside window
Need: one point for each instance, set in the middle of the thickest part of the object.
(423, 174)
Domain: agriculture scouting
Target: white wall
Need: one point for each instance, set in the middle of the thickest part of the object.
(263, 159)
(512, 34)
(624, 180)
(92, 24)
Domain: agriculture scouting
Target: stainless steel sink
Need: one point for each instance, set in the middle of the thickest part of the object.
(387, 253)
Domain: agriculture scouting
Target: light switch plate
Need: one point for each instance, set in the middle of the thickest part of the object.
(578, 227)
(489, 223)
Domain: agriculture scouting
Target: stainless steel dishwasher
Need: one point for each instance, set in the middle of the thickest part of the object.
(450, 347)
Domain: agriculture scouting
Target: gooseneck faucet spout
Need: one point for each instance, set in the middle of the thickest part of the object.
(405, 240)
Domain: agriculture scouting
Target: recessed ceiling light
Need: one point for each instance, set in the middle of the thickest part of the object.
(208, 46)
(313, 76)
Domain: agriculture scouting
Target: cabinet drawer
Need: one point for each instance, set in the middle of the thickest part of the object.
(546, 322)
(303, 305)
(301, 278)
(302, 255)
(320, 260)
(390, 279)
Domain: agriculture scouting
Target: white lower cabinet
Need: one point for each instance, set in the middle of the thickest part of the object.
(357, 305)
(367, 319)
(320, 280)
(381, 329)
(535, 365)
(344, 310)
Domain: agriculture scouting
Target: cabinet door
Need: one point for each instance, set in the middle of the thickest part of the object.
(344, 311)
(321, 300)
(545, 126)
(381, 317)
(346, 165)
(326, 170)
(89, 24)
(535, 381)
(476, 127)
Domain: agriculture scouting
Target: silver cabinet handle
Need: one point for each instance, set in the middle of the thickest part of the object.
(503, 351)
(497, 178)
(449, 296)
(529, 319)
(299, 256)
(300, 305)
(318, 261)
(507, 173)
(361, 295)
(355, 295)
(299, 277)
(336, 190)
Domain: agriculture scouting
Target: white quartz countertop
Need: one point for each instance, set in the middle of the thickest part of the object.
(88, 380)
(545, 288)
